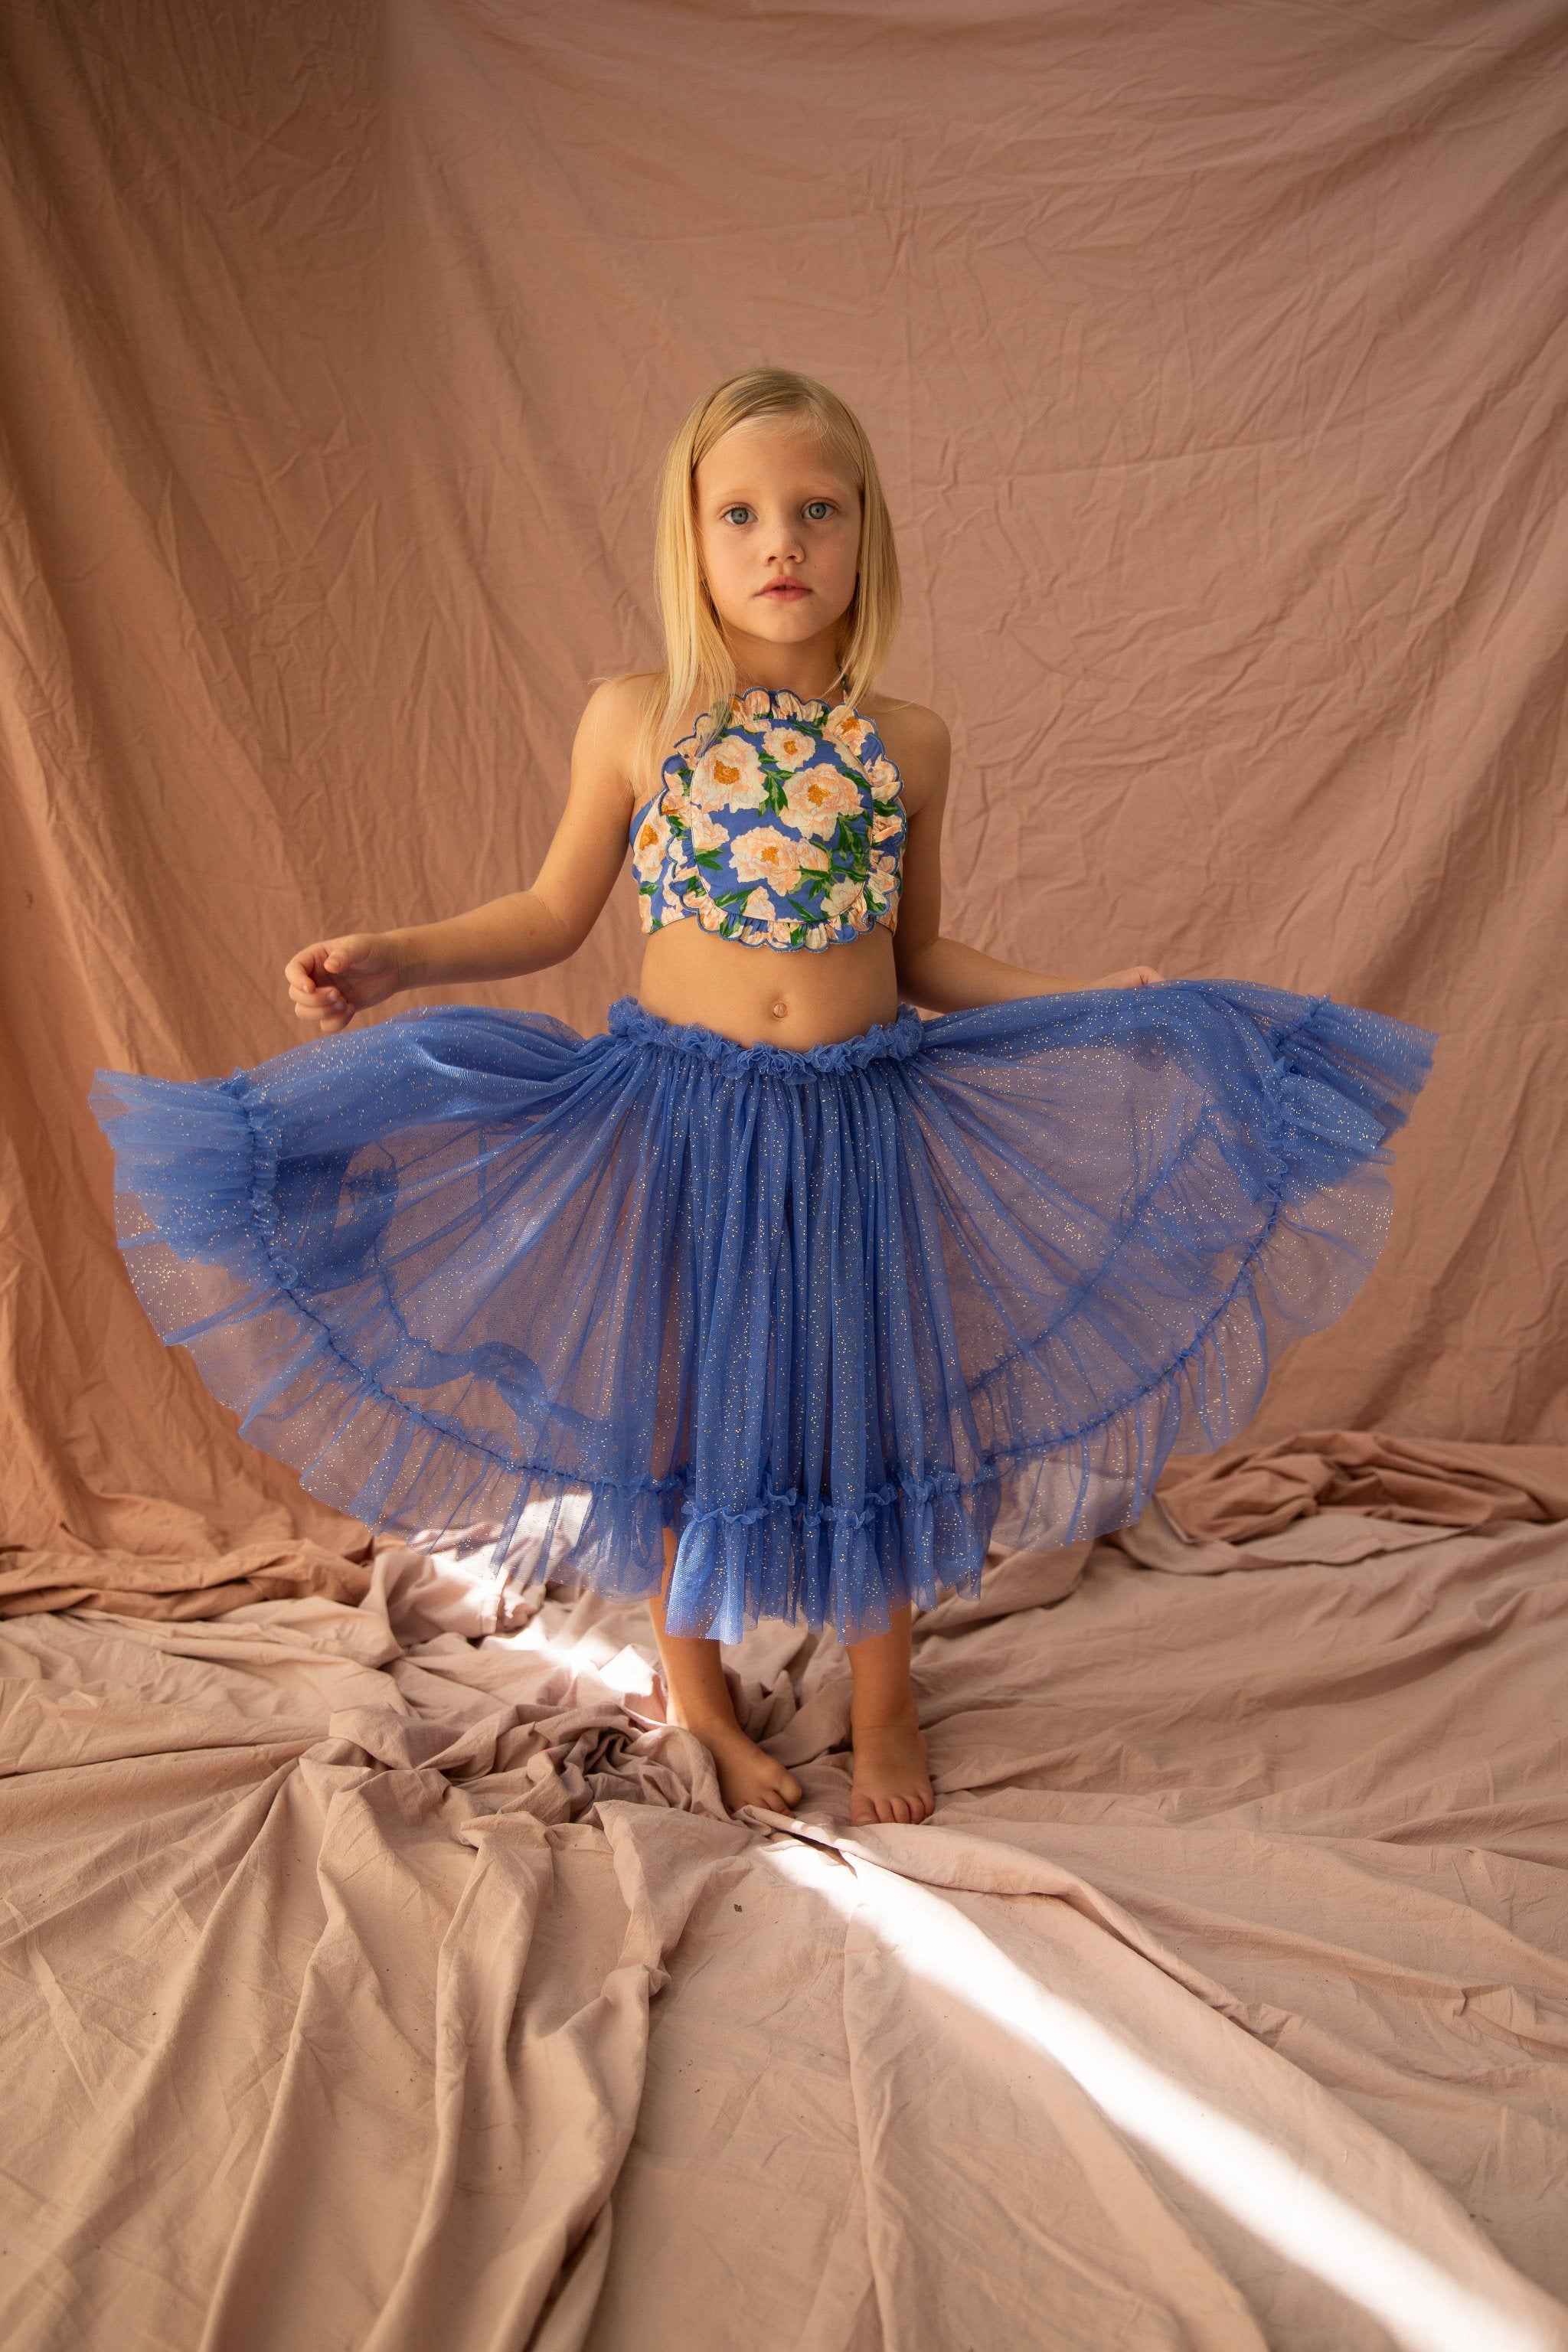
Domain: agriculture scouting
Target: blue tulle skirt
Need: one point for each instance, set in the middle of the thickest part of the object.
(838, 1316)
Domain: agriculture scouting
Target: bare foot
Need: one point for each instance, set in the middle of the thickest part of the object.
(748, 1775)
(892, 1781)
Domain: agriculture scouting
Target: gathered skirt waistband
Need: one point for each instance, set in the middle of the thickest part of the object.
(894, 1040)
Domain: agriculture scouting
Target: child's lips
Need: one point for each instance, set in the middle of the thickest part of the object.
(784, 590)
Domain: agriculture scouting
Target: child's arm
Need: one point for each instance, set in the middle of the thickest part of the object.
(940, 973)
(332, 980)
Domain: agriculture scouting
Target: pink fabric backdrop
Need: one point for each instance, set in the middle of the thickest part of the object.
(1214, 357)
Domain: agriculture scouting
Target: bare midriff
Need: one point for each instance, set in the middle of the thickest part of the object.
(775, 996)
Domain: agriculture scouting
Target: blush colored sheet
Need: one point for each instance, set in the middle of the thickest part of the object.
(373, 1978)
(1213, 354)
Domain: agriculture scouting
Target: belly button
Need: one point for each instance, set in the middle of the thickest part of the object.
(778, 1010)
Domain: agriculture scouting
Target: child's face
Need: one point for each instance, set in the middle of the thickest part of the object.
(778, 528)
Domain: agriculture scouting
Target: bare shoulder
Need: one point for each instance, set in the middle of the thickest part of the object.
(917, 743)
(604, 756)
(615, 707)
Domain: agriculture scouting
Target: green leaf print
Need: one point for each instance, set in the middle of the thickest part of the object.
(850, 858)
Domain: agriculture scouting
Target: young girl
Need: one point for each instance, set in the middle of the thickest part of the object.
(778, 1298)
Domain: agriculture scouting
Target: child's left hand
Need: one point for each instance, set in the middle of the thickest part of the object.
(1137, 975)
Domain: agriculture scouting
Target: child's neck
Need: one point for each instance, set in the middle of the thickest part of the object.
(812, 670)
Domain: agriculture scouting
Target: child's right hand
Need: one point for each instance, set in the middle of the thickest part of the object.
(332, 980)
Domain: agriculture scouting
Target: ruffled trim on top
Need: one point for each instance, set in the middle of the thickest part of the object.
(756, 930)
(753, 709)
(898, 1039)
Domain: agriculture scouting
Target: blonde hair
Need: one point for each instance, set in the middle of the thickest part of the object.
(697, 661)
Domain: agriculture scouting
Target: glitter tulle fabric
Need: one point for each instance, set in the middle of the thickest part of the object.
(837, 1315)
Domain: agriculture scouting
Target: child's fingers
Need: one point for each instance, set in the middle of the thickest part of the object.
(325, 979)
(324, 959)
(322, 1004)
(350, 955)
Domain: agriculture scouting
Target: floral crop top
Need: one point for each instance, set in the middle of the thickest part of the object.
(778, 822)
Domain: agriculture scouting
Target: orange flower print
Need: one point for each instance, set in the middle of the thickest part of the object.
(816, 798)
(765, 855)
(884, 827)
(845, 900)
(813, 858)
(707, 833)
(789, 747)
(759, 906)
(753, 711)
(729, 775)
(846, 728)
(649, 847)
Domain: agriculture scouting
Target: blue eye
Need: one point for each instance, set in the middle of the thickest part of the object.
(813, 504)
(730, 512)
